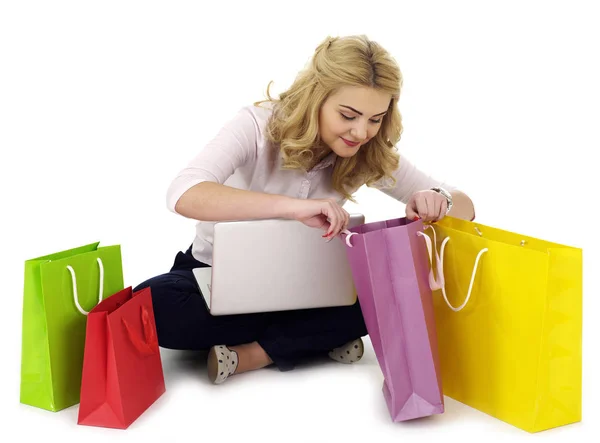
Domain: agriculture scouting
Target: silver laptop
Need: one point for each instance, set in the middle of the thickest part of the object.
(275, 265)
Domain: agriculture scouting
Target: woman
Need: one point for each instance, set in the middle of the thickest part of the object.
(298, 157)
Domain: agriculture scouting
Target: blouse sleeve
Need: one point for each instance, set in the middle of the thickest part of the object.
(233, 146)
(410, 179)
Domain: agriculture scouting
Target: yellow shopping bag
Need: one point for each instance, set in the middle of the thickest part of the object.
(509, 323)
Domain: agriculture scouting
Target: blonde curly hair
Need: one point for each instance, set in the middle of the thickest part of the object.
(294, 123)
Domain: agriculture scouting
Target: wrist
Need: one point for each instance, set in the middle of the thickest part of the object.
(286, 207)
(447, 195)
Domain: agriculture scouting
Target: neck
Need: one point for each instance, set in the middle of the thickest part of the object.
(319, 154)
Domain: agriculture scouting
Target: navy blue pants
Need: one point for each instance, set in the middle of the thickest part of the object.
(183, 321)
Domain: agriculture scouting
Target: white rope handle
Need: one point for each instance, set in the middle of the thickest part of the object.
(441, 272)
(74, 280)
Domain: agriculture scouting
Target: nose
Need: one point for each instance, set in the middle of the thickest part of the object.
(359, 131)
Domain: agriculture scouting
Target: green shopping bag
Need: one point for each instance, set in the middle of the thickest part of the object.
(59, 290)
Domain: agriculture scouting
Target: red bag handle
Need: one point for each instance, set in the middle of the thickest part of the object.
(149, 344)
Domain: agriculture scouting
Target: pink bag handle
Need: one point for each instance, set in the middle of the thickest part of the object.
(433, 283)
(348, 236)
(149, 344)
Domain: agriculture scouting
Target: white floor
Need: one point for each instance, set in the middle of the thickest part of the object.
(103, 103)
(319, 401)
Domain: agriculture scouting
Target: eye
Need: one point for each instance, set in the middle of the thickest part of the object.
(345, 117)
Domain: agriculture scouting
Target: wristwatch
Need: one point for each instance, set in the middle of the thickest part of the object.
(445, 194)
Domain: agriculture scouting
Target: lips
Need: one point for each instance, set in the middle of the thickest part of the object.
(349, 143)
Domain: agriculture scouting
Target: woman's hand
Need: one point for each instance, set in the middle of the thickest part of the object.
(426, 205)
(325, 214)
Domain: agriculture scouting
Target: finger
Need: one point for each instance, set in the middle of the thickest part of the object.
(333, 221)
(322, 220)
(421, 204)
(341, 219)
(430, 205)
(411, 213)
(346, 219)
(443, 207)
(326, 226)
(327, 217)
(433, 209)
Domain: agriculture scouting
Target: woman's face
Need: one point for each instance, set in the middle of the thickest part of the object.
(351, 117)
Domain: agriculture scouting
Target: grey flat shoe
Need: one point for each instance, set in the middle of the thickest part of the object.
(351, 352)
(222, 362)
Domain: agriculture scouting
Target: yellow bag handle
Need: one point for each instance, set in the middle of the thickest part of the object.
(441, 271)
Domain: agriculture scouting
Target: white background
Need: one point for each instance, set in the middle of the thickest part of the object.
(101, 104)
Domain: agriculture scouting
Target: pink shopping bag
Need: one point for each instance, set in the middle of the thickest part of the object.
(392, 274)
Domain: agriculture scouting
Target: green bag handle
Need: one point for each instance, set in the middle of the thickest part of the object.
(74, 279)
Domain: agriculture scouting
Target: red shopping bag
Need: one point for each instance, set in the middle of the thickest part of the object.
(122, 369)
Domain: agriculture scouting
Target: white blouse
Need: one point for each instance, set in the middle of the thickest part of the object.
(240, 156)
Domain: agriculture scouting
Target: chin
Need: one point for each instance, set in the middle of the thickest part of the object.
(341, 149)
(346, 151)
